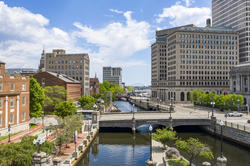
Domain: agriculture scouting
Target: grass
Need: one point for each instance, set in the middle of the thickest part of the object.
(32, 125)
(178, 163)
(7, 136)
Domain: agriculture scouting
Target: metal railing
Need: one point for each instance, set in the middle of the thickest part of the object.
(235, 125)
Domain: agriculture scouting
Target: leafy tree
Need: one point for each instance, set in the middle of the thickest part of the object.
(195, 95)
(36, 98)
(129, 88)
(164, 136)
(20, 154)
(65, 108)
(54, 95)
(66, 129)
(86, 102)
(194, 148)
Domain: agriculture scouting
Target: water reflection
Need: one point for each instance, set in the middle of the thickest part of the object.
(117, 149)
(125, 106)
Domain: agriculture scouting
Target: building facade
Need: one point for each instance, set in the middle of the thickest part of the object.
(112, 75)
(240, 81)
(94, 86)
(187, 58)
(14, 102)
(235, 14)
(73, 87)
(75, 66)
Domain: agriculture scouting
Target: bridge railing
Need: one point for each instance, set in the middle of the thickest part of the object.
(235, 125)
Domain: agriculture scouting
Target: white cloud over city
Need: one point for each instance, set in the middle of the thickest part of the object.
(179, 14)
(24, 34)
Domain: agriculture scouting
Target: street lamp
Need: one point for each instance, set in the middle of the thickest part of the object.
(213, 103)
(133, 111)
(238, 101)
(221, 138)
(43, 114)
(170, 115)
(9, 131)
(40, 141)
(150, 132)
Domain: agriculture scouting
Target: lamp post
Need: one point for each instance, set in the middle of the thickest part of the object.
(170, 115)
(43, 114)
(9, 131)
(212, 103)
(238, 101)
(133, 111)
(40, 141)
(150, 132)
(221, 138)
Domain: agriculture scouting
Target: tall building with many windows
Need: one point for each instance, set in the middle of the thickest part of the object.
(187, 58)
(234, 14)
(14, 102)
(75, 66)
(112, 75)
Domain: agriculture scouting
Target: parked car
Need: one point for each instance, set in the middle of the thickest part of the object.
(248, 121)
(234, 114)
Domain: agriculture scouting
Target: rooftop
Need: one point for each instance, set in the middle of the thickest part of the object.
(64, 77)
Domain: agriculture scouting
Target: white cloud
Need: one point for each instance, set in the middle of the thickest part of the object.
(181, 15)
(188, 2)
(116, 11)
(23, 34)
(117, 42)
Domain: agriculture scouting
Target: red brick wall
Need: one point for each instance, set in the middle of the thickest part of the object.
(18, 82)
(74, 91)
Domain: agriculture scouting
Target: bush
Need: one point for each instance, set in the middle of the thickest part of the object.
(180, 162)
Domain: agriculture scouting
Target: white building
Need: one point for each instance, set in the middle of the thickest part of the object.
(113, 75)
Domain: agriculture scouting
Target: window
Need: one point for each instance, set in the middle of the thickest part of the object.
(23, 100)
(23, 116)
(43, 82)
(11, 118)
(12, 102)
(12, 87)
(1, 119)
(1, 103)
(1, 86)
(23, 86)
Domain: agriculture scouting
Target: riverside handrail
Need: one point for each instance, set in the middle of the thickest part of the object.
(235, 125)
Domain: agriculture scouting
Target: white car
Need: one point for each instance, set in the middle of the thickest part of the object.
(234, 114)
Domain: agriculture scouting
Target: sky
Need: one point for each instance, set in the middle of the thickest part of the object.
(116, 33)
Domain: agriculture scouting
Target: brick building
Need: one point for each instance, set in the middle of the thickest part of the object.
(94, 86)
(73, 87)
(14, 102)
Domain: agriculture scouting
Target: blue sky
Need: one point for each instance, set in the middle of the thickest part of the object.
(112, 32)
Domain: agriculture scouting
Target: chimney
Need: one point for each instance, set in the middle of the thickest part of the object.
(2, 68)
(208, 22)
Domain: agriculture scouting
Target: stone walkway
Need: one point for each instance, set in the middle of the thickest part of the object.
(18, 137)
(157, 152)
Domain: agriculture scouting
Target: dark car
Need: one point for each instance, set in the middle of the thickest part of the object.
(248, 121)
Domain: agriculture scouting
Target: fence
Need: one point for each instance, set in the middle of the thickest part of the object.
(235, 125)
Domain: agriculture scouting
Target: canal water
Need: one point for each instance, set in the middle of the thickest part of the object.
(126, 149)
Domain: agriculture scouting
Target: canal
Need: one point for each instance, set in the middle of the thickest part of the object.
(126, 149)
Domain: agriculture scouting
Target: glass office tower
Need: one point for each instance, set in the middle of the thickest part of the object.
(235, 14)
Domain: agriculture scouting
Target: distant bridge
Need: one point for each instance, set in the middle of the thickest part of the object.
(124, 120)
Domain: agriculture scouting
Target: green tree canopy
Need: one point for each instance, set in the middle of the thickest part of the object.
(164, 136)
(66, 129)
(20, 154)
(37, 97)
(54, 95)
(86, 102)
(65, 108)
(194, 148)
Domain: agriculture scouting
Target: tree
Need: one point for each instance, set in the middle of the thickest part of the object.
(86, 102)
(66, 129)
(54, 95)
(129, 88)
(65, 108)
(194, 148)
(164, 136)
(37, 97)
(195, 95)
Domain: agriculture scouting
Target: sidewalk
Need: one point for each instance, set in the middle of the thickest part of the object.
(19, 136)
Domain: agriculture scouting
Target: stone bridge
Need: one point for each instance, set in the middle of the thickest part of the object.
(125, 120)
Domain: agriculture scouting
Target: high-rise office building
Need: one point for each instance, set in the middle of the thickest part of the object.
(75, 66)
(187, 58)
(112, 75)
(234, 14)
